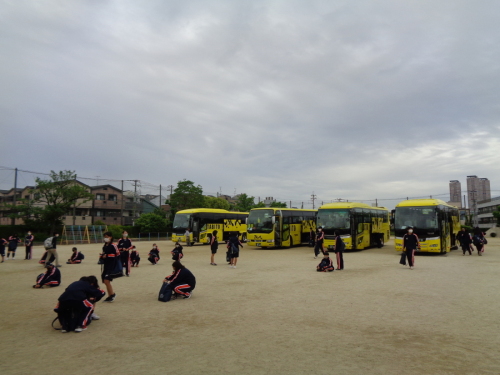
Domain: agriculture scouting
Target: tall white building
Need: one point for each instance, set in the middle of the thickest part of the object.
(456, 192)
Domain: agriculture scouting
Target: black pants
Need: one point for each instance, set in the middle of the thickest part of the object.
(466, 247)
(410, 256)
(28, 252)
(318, 247)
(125, 258)
(340, 260)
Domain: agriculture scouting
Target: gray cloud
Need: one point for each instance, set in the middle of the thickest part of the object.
(353, 100)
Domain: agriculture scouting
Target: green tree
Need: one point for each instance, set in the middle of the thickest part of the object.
(53, 199)
(278, 204)
(152, 223)
(244, 203)
(212, 202)
(259, 205)
(186, 195)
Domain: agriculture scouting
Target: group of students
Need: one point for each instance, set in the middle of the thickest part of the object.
(411, 244)
(12, 242)
(477, 239)
(316, 239)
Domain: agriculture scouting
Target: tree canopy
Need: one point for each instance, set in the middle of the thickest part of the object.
(52, 199)
(152, 222)
(213, 202)
(186, 195)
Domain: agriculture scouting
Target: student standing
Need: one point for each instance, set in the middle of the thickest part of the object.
(410, 244)
(234, 249)
(13, 242)
(214, 245)
(3, 242)
(124, 246)
(188, 237)
(28, 243)
(478, 240)
(339, 251)
(320, 236)
(461, 235)
(53, 250)
(465, 241)
(111, 256)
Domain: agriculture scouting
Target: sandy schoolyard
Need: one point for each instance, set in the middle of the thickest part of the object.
(274, 314)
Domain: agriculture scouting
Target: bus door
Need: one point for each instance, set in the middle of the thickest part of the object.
(285, 236)
(196, 229)
(277, 230)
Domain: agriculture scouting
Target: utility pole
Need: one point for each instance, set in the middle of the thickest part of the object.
(474, 207)
(135, 198)
(376, 202)
(13, 220)
(121, 208)
(313, 197)
(160, 196)
(302, 206)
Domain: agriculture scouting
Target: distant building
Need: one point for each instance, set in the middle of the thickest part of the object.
(478, 190)
(268, 201)
(485, 210)
(456, 192)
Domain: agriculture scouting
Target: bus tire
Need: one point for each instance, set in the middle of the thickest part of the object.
(244, 237)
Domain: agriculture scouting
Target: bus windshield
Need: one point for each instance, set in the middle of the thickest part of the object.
(417, 217)
(334, 219)
(181, 221)
(260, 221)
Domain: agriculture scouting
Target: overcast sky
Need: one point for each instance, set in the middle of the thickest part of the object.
(349, 99)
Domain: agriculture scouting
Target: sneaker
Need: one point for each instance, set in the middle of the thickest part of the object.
(64, 331)
(110, 298)
(234, 266)
(80, 329)
(186, 297)
(94, 316)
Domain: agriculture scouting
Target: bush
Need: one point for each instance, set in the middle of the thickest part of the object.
(493, 234)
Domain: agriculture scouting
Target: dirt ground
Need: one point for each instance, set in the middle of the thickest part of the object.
(274, 314)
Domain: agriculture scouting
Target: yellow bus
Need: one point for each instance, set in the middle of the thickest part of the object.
(279, 227)
(202, 221)
(435, 222)
(359, 225)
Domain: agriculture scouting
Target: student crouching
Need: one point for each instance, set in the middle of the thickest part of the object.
(180, 282)
(76, 305)
(326, 264)
(76, 257)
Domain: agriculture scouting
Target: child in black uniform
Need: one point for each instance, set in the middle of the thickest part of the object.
(76, 257)
(3, 242)
(181, 281)
(125, 245)
(134, 257)
(13, 241)
(326, 264)
(80, 298)
(51, 277)
(154, 255)
(177, 252)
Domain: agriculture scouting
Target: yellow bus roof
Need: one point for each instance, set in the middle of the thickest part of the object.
(423, 202)
(213, 210)
(283, 209)
(340, 205)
